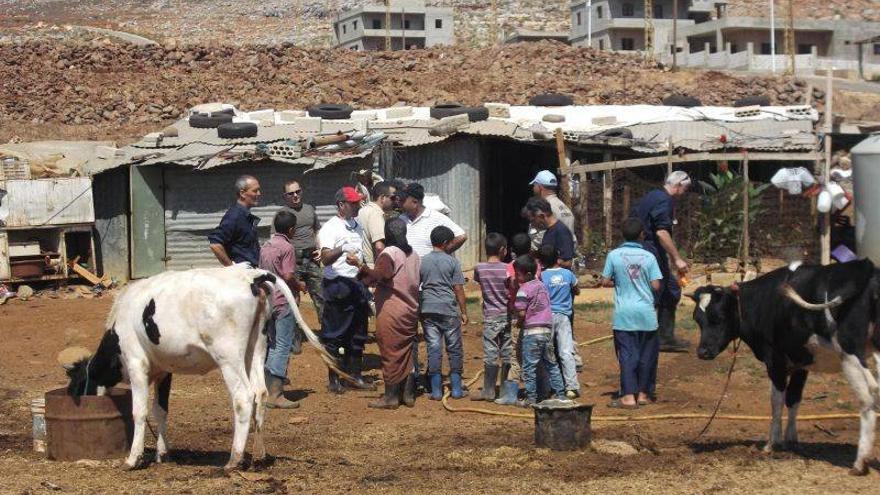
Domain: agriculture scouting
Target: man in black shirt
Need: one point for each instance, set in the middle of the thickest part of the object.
(556, 234)
(235, 239)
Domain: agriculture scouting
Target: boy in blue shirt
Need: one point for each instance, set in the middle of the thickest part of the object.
(562, 285)
(635, 276)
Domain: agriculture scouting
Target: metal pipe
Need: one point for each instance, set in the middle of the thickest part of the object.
(772, 36)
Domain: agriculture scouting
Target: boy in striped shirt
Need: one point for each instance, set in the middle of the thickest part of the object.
(497, 343)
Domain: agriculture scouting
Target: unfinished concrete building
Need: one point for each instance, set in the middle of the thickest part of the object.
(412, 25)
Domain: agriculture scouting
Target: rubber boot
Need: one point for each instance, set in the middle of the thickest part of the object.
(390, 399)
(490, 374)
(436, 386)
(505, 372)
(275, 386)
(509, 393)
(354, 364)
(455, 384)
(408, 393)
(666, 331)
(335, 385)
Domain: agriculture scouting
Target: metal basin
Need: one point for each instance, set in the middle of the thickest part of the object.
(563, 427)
(89, 427)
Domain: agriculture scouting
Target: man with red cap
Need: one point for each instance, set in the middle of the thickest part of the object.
(346, 299)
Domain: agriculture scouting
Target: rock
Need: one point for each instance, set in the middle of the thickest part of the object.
(24, 292)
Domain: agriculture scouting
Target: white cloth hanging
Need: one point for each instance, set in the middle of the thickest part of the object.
(793, 180)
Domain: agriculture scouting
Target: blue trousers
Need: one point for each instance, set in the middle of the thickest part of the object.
(538, 348)
(440, 328)
(280, 331)
(637, 353)
(344, 320)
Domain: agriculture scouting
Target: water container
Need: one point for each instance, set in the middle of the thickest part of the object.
(563, 426)
(38, 415)
(866, 190)
(88, 427)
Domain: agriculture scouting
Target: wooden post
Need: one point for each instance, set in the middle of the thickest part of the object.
(584, 209)
(745, 225)
(607, 204)
(626, 198)
(825, 239)
(668, 156)
(564, 191)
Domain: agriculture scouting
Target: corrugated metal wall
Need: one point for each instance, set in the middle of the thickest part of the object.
(111, 222)
(452, 170)
(49, 202)
(195, 201)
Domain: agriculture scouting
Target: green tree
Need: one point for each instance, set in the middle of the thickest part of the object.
(720, 216)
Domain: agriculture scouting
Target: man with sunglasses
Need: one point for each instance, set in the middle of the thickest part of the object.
(308, 268)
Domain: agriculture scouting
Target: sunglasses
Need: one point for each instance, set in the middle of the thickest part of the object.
(293, 193)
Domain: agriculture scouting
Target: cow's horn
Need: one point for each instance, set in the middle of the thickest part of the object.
(789, 292)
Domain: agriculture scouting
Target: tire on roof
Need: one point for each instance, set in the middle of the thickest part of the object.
(475, 114)
(551, 100)
(330, 111)
(681, 101)
(208, 121)
(232, 130)
(748, 101)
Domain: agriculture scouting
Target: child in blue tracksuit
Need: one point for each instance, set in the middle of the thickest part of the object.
(562, 285)
(635, 276)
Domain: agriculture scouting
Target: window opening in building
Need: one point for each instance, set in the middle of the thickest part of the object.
(658, 11)
(377, 24)
(627, 44)
(438, 23)
(627, 10)
(578, 18)
(765, 48)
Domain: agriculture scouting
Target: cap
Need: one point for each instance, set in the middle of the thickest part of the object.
(349, 195)
(545, 178)
(413, 189)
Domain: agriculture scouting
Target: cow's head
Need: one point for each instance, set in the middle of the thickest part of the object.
(103, 369)
(718, 317)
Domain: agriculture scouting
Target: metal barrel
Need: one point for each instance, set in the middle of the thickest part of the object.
(563, 427)
(866, 192)
(89, 427)
(38, 416)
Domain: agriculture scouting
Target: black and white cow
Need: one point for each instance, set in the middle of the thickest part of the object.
(797, 319)
(189, 322)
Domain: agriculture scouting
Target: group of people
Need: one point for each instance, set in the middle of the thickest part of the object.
(391, 256)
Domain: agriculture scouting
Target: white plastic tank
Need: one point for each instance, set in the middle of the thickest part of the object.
(866, 190)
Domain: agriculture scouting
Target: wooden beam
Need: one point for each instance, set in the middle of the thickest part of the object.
(745, 238)
(608, 204)
(564, 173)
(825, 237)
(808, 156)
(669, 150)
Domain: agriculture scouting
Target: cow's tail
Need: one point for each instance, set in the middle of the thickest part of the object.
(789, 292)
(278, 284)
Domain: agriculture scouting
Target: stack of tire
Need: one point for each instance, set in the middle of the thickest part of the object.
(222, 121)
(475, 114)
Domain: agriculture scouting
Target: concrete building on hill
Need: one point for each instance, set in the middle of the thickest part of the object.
(708, 37)
(413, 25)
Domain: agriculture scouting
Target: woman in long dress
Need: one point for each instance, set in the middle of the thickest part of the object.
(396, 279)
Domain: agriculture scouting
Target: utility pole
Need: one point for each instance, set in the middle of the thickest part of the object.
(649, 29)
(789, 39)
(493, 28)
(773, 36)
(388, 25)
(675, 35)
(590, 23)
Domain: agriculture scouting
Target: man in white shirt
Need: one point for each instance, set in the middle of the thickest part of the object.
(346, 299)
(420, 221)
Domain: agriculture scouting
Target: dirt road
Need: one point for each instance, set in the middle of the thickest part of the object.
(335, 444)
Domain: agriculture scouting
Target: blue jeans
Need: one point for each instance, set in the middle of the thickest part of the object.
(565, 347)
(447, 328)
(637, 353)
(497, 340)
(538, 348)
(280, 330)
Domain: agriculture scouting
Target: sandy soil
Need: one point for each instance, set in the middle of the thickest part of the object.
(335, 444)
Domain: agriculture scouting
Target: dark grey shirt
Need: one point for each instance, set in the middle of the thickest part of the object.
(307, 226)
(439, 273)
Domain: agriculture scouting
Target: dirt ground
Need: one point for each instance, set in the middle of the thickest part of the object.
(334, 444)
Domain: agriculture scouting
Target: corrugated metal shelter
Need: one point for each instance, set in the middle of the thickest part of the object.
(180, 186)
